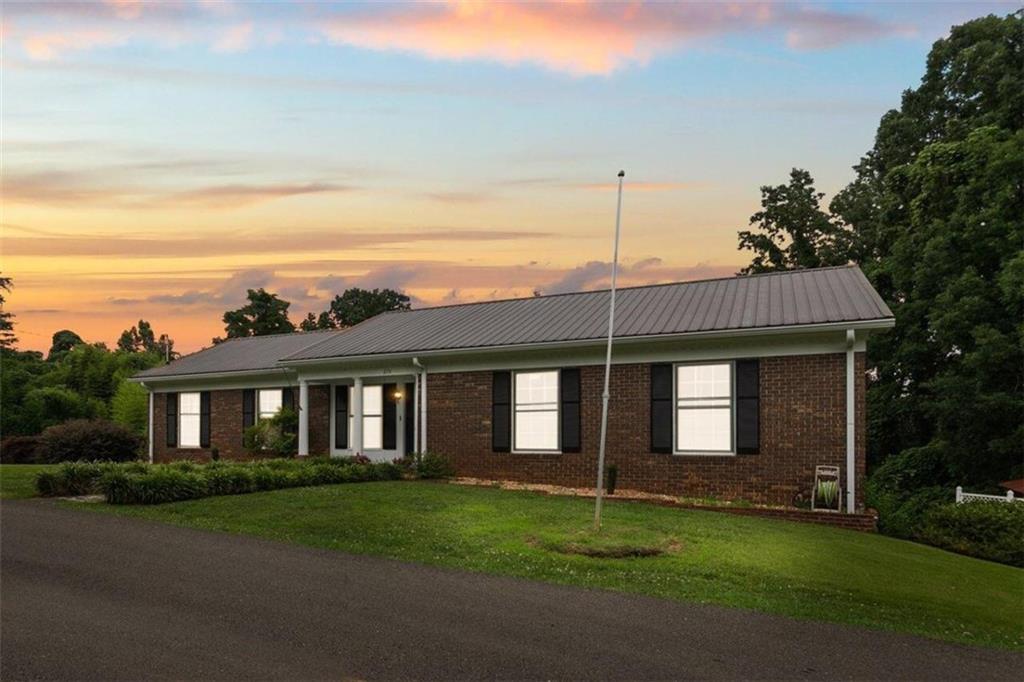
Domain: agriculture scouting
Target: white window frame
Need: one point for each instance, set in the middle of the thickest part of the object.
(378, 415)
(557, 410)
(198, 420)
(260, 414)
(731, 452)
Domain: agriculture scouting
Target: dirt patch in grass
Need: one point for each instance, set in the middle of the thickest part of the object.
(609, 552)
(598, 547)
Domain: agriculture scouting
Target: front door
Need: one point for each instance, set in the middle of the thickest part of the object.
(383, 424)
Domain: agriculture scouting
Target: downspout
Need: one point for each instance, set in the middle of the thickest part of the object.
(150, 438)
(422, 405)
(851, 424)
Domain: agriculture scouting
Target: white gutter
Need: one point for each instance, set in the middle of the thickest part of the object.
(885, 323)
(851, 424)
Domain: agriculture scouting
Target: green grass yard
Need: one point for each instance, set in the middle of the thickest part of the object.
(804, 571)
(19, 480)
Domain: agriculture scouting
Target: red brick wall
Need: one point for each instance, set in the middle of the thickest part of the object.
(803, 424)
(226, 426)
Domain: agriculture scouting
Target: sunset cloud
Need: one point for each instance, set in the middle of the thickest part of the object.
(585, 38)
(63, 188)
(578, 38)
(238, 243)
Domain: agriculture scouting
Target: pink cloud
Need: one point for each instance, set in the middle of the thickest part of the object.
(235, 39)
(583, 38)
(579, 38)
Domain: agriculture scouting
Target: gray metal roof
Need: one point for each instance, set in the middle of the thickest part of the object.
(237, 355)
(800, 297)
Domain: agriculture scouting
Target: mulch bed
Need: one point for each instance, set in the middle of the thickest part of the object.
(861, 522)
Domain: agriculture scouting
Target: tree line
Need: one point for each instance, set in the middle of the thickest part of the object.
(77, 379)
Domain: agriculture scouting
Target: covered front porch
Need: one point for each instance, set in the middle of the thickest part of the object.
(375, 415)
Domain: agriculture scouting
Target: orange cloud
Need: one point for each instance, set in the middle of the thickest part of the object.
(577, 38)
(46, 46)
(57, 188)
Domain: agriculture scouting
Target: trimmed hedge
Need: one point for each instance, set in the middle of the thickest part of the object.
(138, 483)
(987, 530)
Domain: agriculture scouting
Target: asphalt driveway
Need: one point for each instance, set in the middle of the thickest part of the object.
(91, 596)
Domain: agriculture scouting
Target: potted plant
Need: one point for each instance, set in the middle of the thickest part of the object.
(611, 477)
(825, 495)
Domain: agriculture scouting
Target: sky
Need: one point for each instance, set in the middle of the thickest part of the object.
(161, 158)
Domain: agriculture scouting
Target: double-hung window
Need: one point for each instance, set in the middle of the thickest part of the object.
(373, 417)
(188, 420)
(704, 408)
(269, 401)
(536, 411)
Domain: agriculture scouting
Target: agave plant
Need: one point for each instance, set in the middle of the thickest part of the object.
(828, 492)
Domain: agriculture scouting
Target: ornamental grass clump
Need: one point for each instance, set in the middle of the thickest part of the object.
(828, 494)
(80, 478)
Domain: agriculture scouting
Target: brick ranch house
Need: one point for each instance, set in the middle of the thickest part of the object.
(734, 388)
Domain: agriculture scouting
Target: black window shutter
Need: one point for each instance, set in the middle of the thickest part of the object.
(569, 388)
(410, 417)
(204, 419)
(661, 408)
(501, 412)
(172, 420)
(248, 408)
(340, 417)
(390, 421)
(748, 407)
(288, 402)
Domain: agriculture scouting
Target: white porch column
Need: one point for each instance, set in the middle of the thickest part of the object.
(356, 444)
(851, 423)
(423, 412)
(303, 418)
(416, 413)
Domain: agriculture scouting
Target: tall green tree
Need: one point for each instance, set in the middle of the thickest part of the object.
(356, 305)
(62, 342)
(792, 231)
(130, 407)
(142, 339)
(7, 337)
(264, 314)
(935, 217)
(20, 372)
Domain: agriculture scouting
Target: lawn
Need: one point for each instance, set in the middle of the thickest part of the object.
(797, 570)
(19, 480)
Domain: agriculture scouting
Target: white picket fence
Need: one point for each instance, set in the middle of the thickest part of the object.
(962, 497)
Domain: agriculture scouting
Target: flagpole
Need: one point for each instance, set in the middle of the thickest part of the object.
(608, 363)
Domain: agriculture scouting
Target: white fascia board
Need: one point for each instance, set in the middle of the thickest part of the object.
(278, 377)
(395, 359)
(652, 350)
